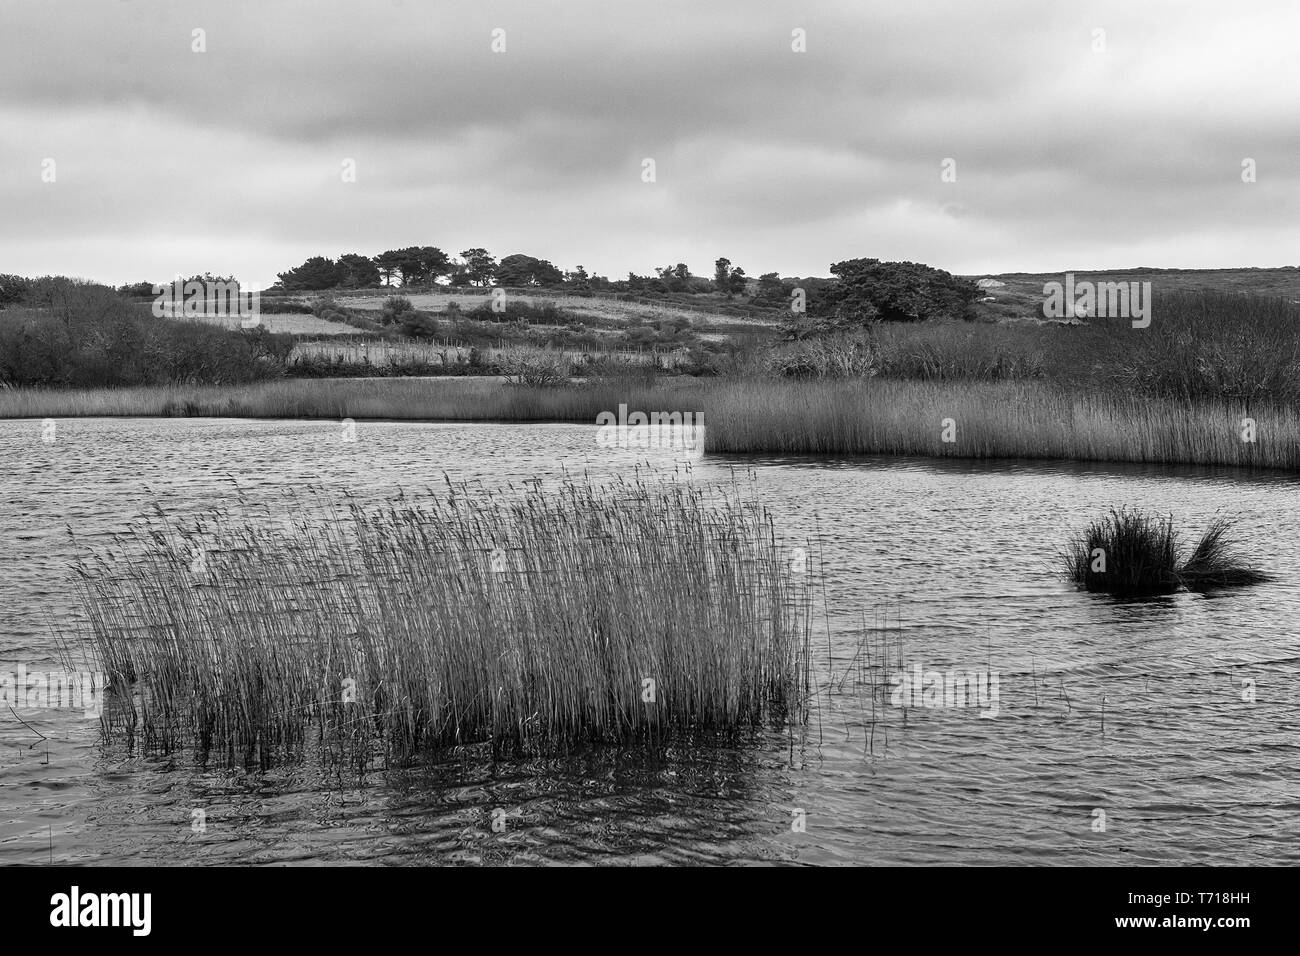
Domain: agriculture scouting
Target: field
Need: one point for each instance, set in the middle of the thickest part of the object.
(1022, 295)
(710, 314)
(289, 322)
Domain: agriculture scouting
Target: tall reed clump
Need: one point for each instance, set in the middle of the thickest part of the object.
(1132, 554)
(992, 420)
(627, 612)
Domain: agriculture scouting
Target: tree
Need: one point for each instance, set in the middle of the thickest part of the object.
(736, 281)
(420, 265)
(137, 290)
(14, 289)
(358, 271)
(675, 278)
(433, 263)
(722, 274)
(389, 264)
(317, 272)
(894, 292)
(771, 288)
(522, 270)
(479, 266)
(578, 278)
(728, 280)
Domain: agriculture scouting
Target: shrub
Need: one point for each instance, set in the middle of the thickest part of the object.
(394, 308)
(869, 289)
(534, 367)
(419, 325)
(836, 357)
(521, 310)
(1131, 554)
(91, 336)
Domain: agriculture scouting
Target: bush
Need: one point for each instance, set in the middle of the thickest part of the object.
(534, 367)
(419, 325)
(837, 357)
(90, 336)
(869, 290)
(394, 308)
(282, 306)
(1130, 554)
(13, 289)
(521, 310)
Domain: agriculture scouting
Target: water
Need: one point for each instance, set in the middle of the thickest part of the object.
(1134, 711)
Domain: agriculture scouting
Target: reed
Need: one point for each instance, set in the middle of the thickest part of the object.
(448, 399)
(873, 416)
(1132, 554)
(994, 420)
(625, 612)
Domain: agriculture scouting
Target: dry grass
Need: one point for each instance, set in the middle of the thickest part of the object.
(623, 612)
(856, 417)
(382, 353)
(445, 399)
(599, 307)
(283, 322)
(991, 420)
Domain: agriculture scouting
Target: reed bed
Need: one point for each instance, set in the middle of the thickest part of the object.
(454, 399)
(625, 612)
(994, 420)
(872, 416)
(1133, 554)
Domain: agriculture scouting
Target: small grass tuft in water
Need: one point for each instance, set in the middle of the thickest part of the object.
(1132, 554)
(1212, 563)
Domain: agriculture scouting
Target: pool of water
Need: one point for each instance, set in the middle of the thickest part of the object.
(1123, 733)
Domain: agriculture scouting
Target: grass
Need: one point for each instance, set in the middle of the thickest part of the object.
(618, 613)
(448, 399)
(1200, 345)
(1023, 292)
(424, 357)
(291, 323)
(1132, 554)
(991, 420)
(859, 417)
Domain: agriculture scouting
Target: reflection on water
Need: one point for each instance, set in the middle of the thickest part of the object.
(1176, 718)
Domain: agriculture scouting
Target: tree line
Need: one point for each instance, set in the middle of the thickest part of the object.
(860, 291)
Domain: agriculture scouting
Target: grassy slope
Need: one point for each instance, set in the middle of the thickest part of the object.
(1022, 297)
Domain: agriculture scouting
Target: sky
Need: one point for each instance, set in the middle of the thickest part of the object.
(1081, 135)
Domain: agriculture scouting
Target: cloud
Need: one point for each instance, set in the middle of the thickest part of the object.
(170, 160)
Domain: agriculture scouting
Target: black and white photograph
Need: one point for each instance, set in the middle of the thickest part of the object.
(642, 435)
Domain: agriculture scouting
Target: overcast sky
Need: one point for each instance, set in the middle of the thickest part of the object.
(231, 160)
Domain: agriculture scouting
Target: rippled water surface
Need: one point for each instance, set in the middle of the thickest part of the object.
(1138, 711)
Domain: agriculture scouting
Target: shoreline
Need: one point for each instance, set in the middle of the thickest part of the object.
(1030, 420)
